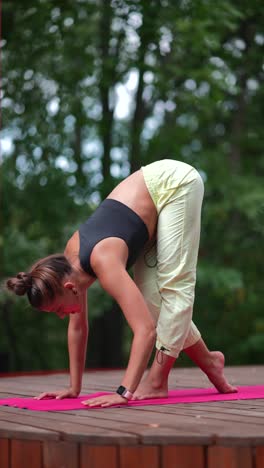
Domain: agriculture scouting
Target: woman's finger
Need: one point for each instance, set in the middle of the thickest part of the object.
(45, 395)
(91, 402)
(87, 402)
(63, 395)
(39, 397)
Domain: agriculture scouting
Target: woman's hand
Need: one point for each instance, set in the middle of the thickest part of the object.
(106, 400)
(59, 395)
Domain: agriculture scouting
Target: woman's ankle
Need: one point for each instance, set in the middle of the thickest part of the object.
(158, 382)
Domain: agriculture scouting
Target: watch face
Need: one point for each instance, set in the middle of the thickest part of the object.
(121, 390)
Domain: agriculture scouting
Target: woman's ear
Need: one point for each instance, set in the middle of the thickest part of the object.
(71, 286)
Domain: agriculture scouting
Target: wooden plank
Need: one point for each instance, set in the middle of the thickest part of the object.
(34, 385)
(68, 427)
(143, 457)
(185, 434)
(179, 378)
(230, 457)
(259, 457)
(92, 456)
(213, 411)
(26, 454)
(210, 410)
(60, 455)
(148, 425)
(102, 423)
(238, 430)
(12, 430)
(4, 453)
(183, 456)
(205, 412)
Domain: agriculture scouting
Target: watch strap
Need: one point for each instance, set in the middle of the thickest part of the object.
(124, 392)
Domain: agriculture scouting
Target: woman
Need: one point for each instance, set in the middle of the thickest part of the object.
(152, 219)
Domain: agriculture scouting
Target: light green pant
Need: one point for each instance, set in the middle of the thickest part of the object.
(166, 272)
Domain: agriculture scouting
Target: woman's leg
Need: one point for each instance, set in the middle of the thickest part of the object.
(210, 362)
(168, 287)
(178, 236)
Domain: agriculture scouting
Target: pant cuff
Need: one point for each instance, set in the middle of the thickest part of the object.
(166, 349)
(192, 338)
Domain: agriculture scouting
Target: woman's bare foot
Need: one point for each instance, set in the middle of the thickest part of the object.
(147, 389)
(155, 385)
(215, 373)
(212, 364)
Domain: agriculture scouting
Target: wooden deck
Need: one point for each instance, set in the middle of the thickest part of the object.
(226, 434)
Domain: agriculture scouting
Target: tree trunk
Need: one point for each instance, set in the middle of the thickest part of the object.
(247, 33)
(105, 82)
(106, 340)
(137, 124)
(237, 128)
(147, 33)
(12, 349)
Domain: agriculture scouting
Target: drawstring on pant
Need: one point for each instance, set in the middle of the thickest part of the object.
(160, 355)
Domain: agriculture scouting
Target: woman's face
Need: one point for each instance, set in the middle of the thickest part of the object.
(65, 304)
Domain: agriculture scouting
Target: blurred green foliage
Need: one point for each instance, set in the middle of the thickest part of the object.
(92, 90)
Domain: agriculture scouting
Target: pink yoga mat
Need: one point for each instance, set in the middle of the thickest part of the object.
(193, 395)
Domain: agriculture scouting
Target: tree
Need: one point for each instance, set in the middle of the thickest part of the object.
(192, 78)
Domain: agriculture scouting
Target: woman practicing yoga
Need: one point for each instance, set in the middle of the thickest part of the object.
(150, 220)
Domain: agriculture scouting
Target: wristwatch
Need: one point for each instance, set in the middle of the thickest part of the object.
(124, 392)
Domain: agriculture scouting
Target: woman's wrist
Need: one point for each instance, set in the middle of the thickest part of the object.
(124, 392)
(75, 391)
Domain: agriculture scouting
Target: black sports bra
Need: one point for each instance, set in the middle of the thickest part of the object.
(112, 219)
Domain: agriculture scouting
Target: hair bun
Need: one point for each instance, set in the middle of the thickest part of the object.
(21, 284)
(27, 278)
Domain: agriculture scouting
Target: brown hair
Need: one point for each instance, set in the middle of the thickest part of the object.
(43, 281)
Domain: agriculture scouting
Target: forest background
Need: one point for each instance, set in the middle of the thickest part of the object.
(91, 91)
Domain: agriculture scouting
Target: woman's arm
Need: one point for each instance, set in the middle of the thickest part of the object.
(77, 345)
(117, 282)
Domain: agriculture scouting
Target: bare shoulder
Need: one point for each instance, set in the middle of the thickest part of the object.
(110, 253)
